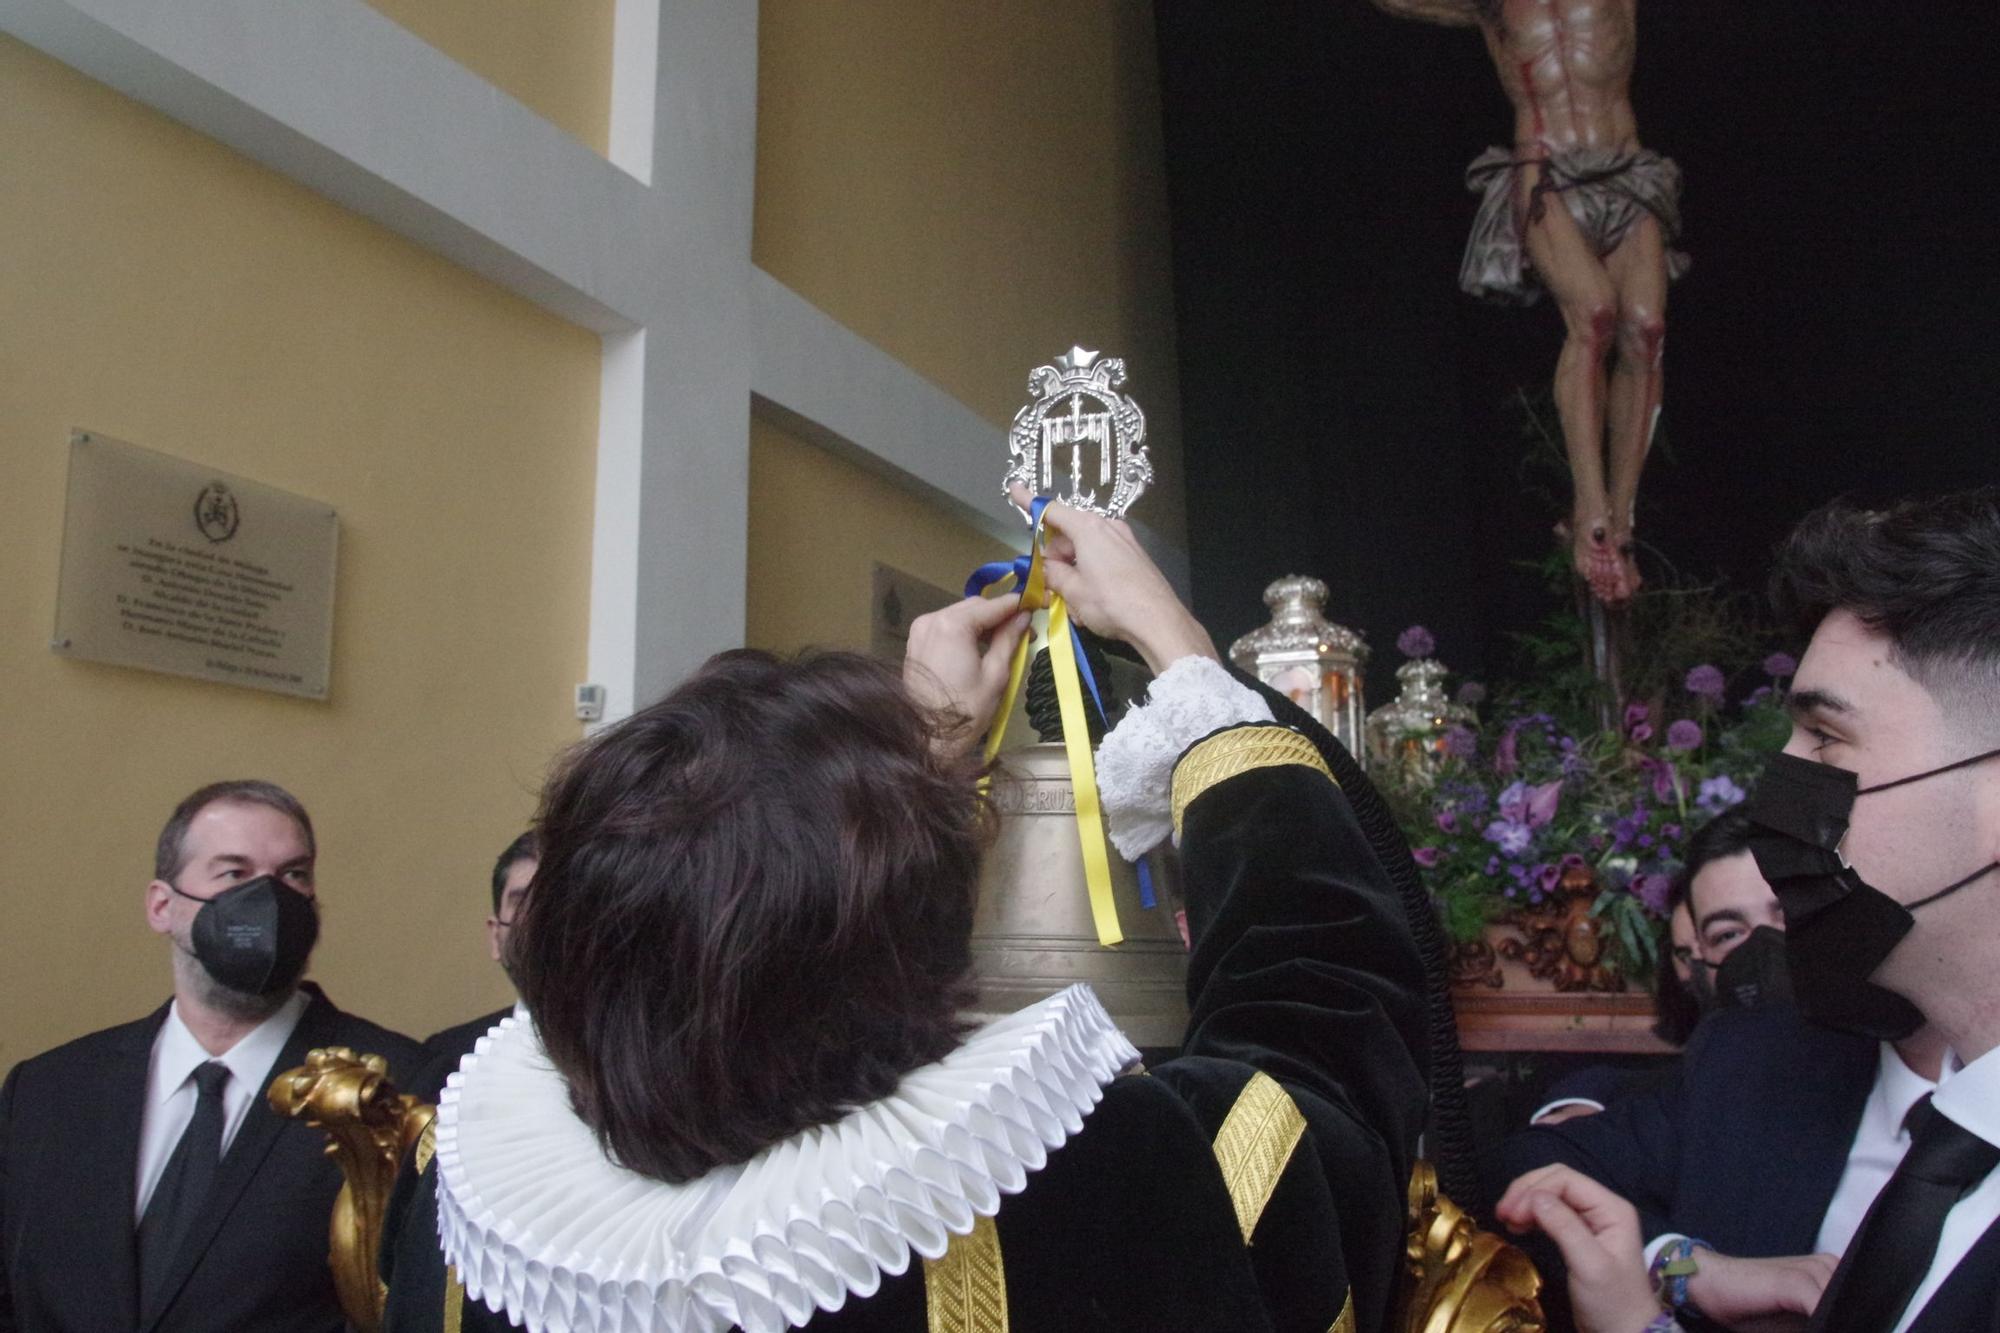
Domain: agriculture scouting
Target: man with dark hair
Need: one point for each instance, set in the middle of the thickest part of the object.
(1714, 905)
(1879, 826)
(144, 1180)
(1728, 900)
(511, 876)
(1893, 950)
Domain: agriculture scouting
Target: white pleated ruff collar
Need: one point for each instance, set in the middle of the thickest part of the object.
(539, 1223)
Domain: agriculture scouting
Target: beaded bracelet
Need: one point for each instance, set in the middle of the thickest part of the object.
(1672, 1268)
(1665, 1323)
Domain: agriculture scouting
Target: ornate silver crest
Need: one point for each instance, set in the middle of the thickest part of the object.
(1075, 406)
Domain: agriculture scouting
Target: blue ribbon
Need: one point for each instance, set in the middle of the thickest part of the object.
(989, 574)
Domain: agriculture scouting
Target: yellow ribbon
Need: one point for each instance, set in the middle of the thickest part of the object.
(1076, 737)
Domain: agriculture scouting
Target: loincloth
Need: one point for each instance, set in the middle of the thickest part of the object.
(1604, 189)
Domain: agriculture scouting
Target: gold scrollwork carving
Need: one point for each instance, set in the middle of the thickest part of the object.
(1461, 1279)
(370, 1127)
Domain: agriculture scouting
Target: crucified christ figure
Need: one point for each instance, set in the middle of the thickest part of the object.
(1566, 65)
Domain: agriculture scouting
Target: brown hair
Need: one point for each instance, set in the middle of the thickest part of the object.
(170, 852)
(753, 910)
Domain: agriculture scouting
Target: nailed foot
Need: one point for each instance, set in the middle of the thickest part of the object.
(1612, 580)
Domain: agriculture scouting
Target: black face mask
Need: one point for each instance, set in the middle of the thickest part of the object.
(1838, 928)
(1701, 985)
(255, 937)
(1754, 974)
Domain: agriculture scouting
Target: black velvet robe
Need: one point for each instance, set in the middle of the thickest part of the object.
(1303, 969)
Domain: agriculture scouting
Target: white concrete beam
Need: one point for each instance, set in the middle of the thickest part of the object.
(341, 99)
(650, 249)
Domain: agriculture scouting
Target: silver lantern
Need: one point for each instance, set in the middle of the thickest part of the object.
(1304, 656)
(1032, 934)
(1406, 735)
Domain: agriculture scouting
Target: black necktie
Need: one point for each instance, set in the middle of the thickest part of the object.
(185, 1182)
(1893, 1250)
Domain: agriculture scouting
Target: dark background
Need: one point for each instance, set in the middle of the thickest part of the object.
(1346, 408)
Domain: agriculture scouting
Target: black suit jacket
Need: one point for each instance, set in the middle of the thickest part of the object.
(1969, 1300)
(450, 1046)
(1741, 1145)
(69, 1147)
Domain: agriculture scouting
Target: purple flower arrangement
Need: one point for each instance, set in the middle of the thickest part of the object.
(1519, 803)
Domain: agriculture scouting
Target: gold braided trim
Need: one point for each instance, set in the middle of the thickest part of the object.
(427, 1144)
(1254, 1145)
(1238, 751)
(1345, 1323)
(454, 1301)
(965, 1290)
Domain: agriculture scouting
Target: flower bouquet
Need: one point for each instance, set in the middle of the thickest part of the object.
(1539, 815)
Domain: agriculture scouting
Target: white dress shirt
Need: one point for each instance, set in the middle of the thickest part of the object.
(170, 1091)
(1970, 1097)
(1879, 1144)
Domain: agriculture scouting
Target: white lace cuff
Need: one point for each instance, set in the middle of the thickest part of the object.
(1135, 765)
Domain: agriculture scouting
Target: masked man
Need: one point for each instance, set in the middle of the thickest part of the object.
(1722, 911)
(1879, 828)
(145, 1182)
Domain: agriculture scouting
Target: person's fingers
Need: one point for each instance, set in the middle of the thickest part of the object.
(1811, 1275)
(1562, 1225)
(1061, 550)
(1600, 1207)
(998, 662)
(1070, 521)
(1020, 496)
(1061, 579)
(985, 614)
(1512, 1204)
(1797, 1291)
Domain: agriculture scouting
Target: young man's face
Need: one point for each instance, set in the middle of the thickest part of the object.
(1854, 707)
(1730, 899)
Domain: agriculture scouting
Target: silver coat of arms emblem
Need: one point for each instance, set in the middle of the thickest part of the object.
(1077, 429)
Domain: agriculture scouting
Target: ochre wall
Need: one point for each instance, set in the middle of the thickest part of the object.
(819, 525)
(552, 55)
(974, 188)
(163, 290)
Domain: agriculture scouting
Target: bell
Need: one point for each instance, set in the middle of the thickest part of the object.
(1032, 934)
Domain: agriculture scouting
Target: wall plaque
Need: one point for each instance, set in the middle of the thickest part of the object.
(176, 567)
(899, 599)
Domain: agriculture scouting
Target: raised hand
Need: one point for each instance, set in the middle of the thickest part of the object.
(1113, 588)
(958, 658)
